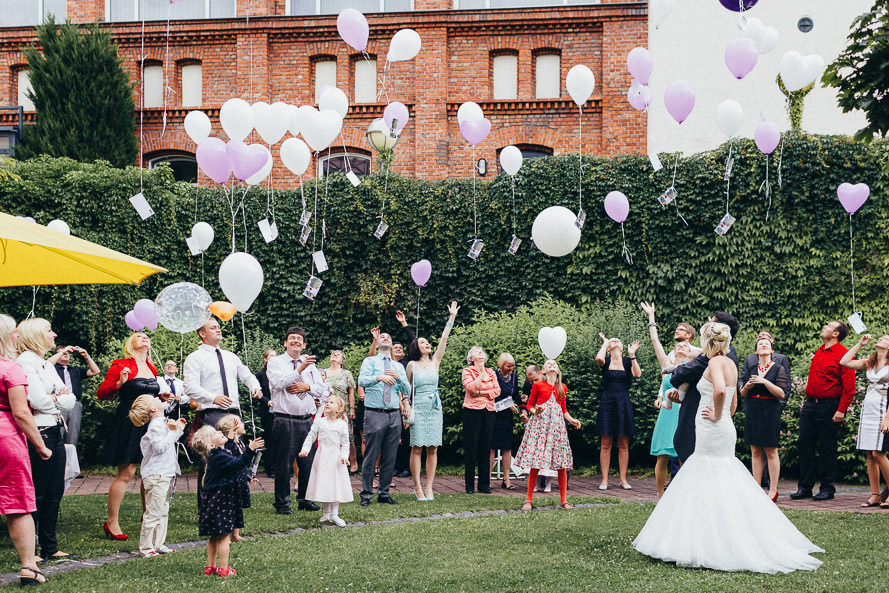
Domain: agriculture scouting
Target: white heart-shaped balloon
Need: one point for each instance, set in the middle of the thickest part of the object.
(272, 121)
(769, 40)
(813, 66)
(754, 29)
(260, 175)
(293, 119)
(237, 119)
(320, 128)
(552, 341)
(793, 71)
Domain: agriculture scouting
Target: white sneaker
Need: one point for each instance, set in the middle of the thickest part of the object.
(548, 488)
(337, 521)
(165, 550)
(324, 518)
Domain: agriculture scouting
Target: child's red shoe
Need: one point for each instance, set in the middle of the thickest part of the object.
(209, 570)
(225, 571)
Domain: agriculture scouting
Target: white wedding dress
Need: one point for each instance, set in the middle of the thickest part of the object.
(715, 515)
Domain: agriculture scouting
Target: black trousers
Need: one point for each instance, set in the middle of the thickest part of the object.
(49, 485)
(269, 461)
(403, 455)
(817, 428)
(478, 430)
(210, 416)
(290, 434)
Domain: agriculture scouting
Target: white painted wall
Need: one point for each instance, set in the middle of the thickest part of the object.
(690, 45)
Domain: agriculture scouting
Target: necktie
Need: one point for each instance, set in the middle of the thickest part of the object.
(295, 362)
(172, 383)
(68, 380)
(222, 373)
(387, 389)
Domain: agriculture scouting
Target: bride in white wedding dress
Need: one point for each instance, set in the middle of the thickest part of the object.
(714, 514)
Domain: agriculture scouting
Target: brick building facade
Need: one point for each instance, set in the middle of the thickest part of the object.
(265, 55)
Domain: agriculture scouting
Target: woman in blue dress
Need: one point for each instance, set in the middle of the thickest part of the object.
(426, 431)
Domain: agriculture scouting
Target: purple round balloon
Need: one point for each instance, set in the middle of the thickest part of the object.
(767, 137)
(145, 313)
(353, 28)
(639, 96)
(213, 160)
(475, 131)
(736, 4)
(680, 100)
(132, 322)
(740, 56)
(421, 271)
(640, 64)
(617, 206)
(398, 113)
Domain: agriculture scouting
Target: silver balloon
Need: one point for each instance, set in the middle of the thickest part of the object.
(183, 307)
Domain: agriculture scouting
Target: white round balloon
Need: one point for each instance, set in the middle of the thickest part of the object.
(554, 231)
(237, 118)
(729, 117)
(552, 341)
(405, 45)
(59, 225)
(241, 279)
(260, 175)
(203, 233)
(183, 307)
(580, 83)
(197, 126)
(511, 160)
(295, 155)
(659, 10)
(469, 111)
(334, 98)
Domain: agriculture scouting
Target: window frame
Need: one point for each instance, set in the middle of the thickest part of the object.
(376, 88)
(169, 156)
(536, 55)
(352, 155)
(316, 88)
(181, 66)
(504, 53)
(18, 71)
(289, 8)
(208, 12)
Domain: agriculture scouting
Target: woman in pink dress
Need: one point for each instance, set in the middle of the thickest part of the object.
(17, 499)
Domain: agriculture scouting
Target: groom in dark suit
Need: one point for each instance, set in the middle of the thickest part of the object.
(691, 372)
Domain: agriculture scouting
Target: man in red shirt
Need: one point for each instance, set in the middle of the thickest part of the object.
(829, 392)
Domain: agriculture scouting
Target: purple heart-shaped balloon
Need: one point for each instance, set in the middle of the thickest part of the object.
(213, 160)
(475, 131)
(246, 160)
(853, 197)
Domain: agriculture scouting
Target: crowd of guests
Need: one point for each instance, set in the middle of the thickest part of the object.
(319, 424)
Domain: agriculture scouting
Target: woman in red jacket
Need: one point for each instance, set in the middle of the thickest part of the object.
(127, 379)
(545, 444)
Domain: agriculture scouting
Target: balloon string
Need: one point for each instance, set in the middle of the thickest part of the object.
(766, 186)
(625, 251)
(522, 290)
(166, 83)
(243, 210)
(324, 207)
(580, 155)
(418, 310)
(673, 185)
(142, 108)
(390, 156)
(33, 302)
(781, 160)
(852, 264)
(728, 172)
(247, 363)
(314, 222)
(474, 209)
(512, 182)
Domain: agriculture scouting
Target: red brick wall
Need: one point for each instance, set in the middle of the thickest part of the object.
(270, 59)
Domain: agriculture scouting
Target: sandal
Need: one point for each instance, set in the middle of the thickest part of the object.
(506, 486)
(566, 506)
(884, 504)
(35, 580)
(526, 507)
(868, 502)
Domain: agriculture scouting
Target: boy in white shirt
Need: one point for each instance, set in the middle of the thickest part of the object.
(160, 465)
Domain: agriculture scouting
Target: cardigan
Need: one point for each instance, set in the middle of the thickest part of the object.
(541, 391)
(108, 389)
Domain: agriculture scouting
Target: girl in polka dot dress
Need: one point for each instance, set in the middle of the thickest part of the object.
(220, 511)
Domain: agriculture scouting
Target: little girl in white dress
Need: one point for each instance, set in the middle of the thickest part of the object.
(329, 481)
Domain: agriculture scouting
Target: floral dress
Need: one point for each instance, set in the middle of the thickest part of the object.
(340, 383)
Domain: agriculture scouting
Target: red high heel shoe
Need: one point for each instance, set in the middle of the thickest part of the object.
(115, 536)
(775, 498)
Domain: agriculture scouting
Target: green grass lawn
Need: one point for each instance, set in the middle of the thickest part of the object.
(578, 550)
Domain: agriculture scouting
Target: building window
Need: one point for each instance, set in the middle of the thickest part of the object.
(23, 85)
(531, 151)
(805, 24)
(547, 76)
(345, 161)
(28, 13)
(308, 7)
(184, 165)
(477, 4)
(192, 85)
(325, 75)
(153, 86)
(505, 77)
(365, 81)
(161, 10)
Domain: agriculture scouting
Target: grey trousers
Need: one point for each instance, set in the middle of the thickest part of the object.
(72, 421)
(382, 431)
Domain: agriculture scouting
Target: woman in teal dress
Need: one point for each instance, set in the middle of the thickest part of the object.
(426, 431)
(667, 418)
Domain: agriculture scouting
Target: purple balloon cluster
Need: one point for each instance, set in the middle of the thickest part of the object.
(142, 315)
(219, 160)
(640, 65)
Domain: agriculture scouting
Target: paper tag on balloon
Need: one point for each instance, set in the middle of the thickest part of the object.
(857, 324)
(381, 230)
(667, 197)
(320, 261)
(476, 249)
(655, 161)
(581, 218)
(724, 225)
(304, 235)
(514, 245)
(193, 246)
(269, 231)
(305, 217)
(728, 169)
(143, 208)
(353, 179)
(312, 287)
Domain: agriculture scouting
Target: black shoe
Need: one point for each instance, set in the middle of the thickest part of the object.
(822, 495)
(308, 505)
(386, 500)
(365, 502)
(470, 491)
(270, 474)
(405, 473)
(284, 511)
(484, 491)
(801, 494)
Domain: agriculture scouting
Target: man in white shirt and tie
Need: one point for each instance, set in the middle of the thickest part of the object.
(298, 391)
(178, 402)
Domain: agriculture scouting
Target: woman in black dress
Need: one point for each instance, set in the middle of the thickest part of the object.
(615, 408)
(503, 420)
(763, 389)
(127, 379)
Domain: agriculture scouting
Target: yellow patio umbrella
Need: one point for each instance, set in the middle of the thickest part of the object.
(32, 254)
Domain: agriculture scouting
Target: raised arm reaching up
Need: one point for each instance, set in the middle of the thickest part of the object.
(443, 341)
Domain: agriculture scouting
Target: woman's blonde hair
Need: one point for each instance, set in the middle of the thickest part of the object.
(227, 424)
(32, 335)
(340, 405)
(140, 411)
(129, 349)
(504, 358)
(7, 327)
(473, 351)
(716, 338)
(202, 441)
